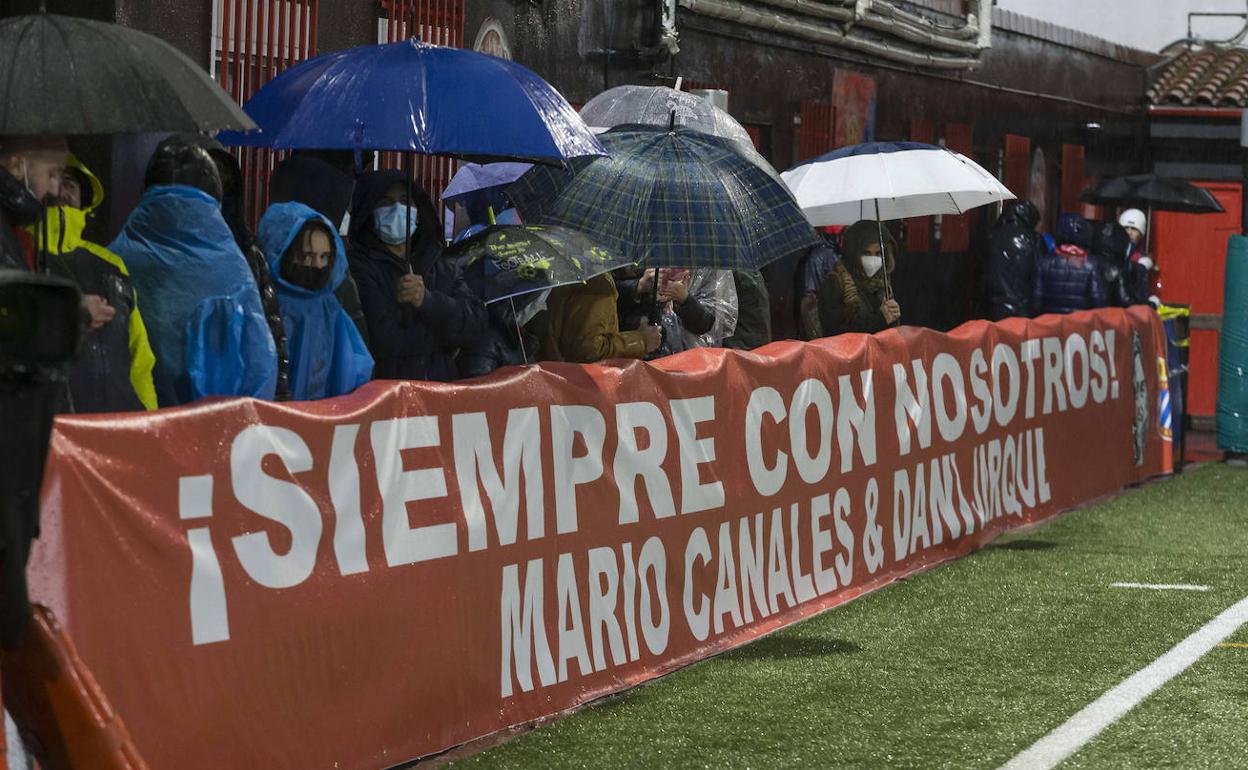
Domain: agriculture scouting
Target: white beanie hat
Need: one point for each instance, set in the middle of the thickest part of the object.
(1134, 218)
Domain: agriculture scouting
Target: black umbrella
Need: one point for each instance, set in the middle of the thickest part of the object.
(1154, 193)
(63, 75)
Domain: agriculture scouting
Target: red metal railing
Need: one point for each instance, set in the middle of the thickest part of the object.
(814, 134)
(955, 231)
(918, 230)
(1017, 164)
(1072, 177)
(440, 22)
(258, 39)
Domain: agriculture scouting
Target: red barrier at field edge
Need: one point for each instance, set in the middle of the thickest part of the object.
(357, 582)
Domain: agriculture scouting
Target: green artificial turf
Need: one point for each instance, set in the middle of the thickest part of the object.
(967, 665)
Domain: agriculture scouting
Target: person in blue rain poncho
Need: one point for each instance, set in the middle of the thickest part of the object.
(308, 261)
(205, 321)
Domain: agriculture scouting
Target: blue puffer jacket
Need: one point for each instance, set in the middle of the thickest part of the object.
(328, 356)
(1065, 282)
(204, 318)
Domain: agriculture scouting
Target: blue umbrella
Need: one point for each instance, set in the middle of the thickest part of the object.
(479, 187)
(474, 177)
(414, 97)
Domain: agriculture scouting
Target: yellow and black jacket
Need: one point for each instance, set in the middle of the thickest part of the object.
(113, 372)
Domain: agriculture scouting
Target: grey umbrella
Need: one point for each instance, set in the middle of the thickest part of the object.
(61, 75)
(662, 106)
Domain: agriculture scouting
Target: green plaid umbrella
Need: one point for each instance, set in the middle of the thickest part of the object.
(670, 197)
(510, 260)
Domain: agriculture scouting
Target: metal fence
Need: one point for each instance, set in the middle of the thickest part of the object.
(253, 42)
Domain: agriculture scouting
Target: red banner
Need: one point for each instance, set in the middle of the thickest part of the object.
(357, 582)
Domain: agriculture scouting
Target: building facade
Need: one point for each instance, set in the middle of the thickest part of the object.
(1196, 101)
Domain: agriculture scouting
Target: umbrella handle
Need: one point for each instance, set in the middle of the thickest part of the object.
(519, 330)
(407, 225)
(654, 298)
(888, 285)
(1148, 234)
(655, 315)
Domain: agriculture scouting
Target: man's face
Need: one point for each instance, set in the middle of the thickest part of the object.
(1136, 235)
(71, 191)
(44, 169)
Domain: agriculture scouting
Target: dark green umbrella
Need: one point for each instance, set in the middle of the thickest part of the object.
(670, 197)
(506, 261)
(62, 75)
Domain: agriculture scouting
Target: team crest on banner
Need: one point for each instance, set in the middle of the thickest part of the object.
(1140, 388)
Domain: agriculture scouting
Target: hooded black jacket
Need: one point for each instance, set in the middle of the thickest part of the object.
(27, 419)
(410, 343)
(1126, 282)
(1014, 250)
(504, 344)
(753, 311)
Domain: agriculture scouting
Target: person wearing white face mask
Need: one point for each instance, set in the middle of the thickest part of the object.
(418, 308)
(853, 298)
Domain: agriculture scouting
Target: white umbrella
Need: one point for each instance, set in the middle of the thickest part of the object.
(890, 180)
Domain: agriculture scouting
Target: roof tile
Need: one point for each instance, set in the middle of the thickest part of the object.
(1214, 77)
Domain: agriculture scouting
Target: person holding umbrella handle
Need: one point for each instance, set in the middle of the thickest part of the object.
(418, 307)
(856, 296)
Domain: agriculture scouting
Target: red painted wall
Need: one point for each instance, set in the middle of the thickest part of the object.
(1191, 252)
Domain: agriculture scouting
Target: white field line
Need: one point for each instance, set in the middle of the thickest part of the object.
(1161, 586)
(1055, 747)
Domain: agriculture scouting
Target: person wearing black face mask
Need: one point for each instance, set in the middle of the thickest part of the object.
(306, 257)
(323, 180)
